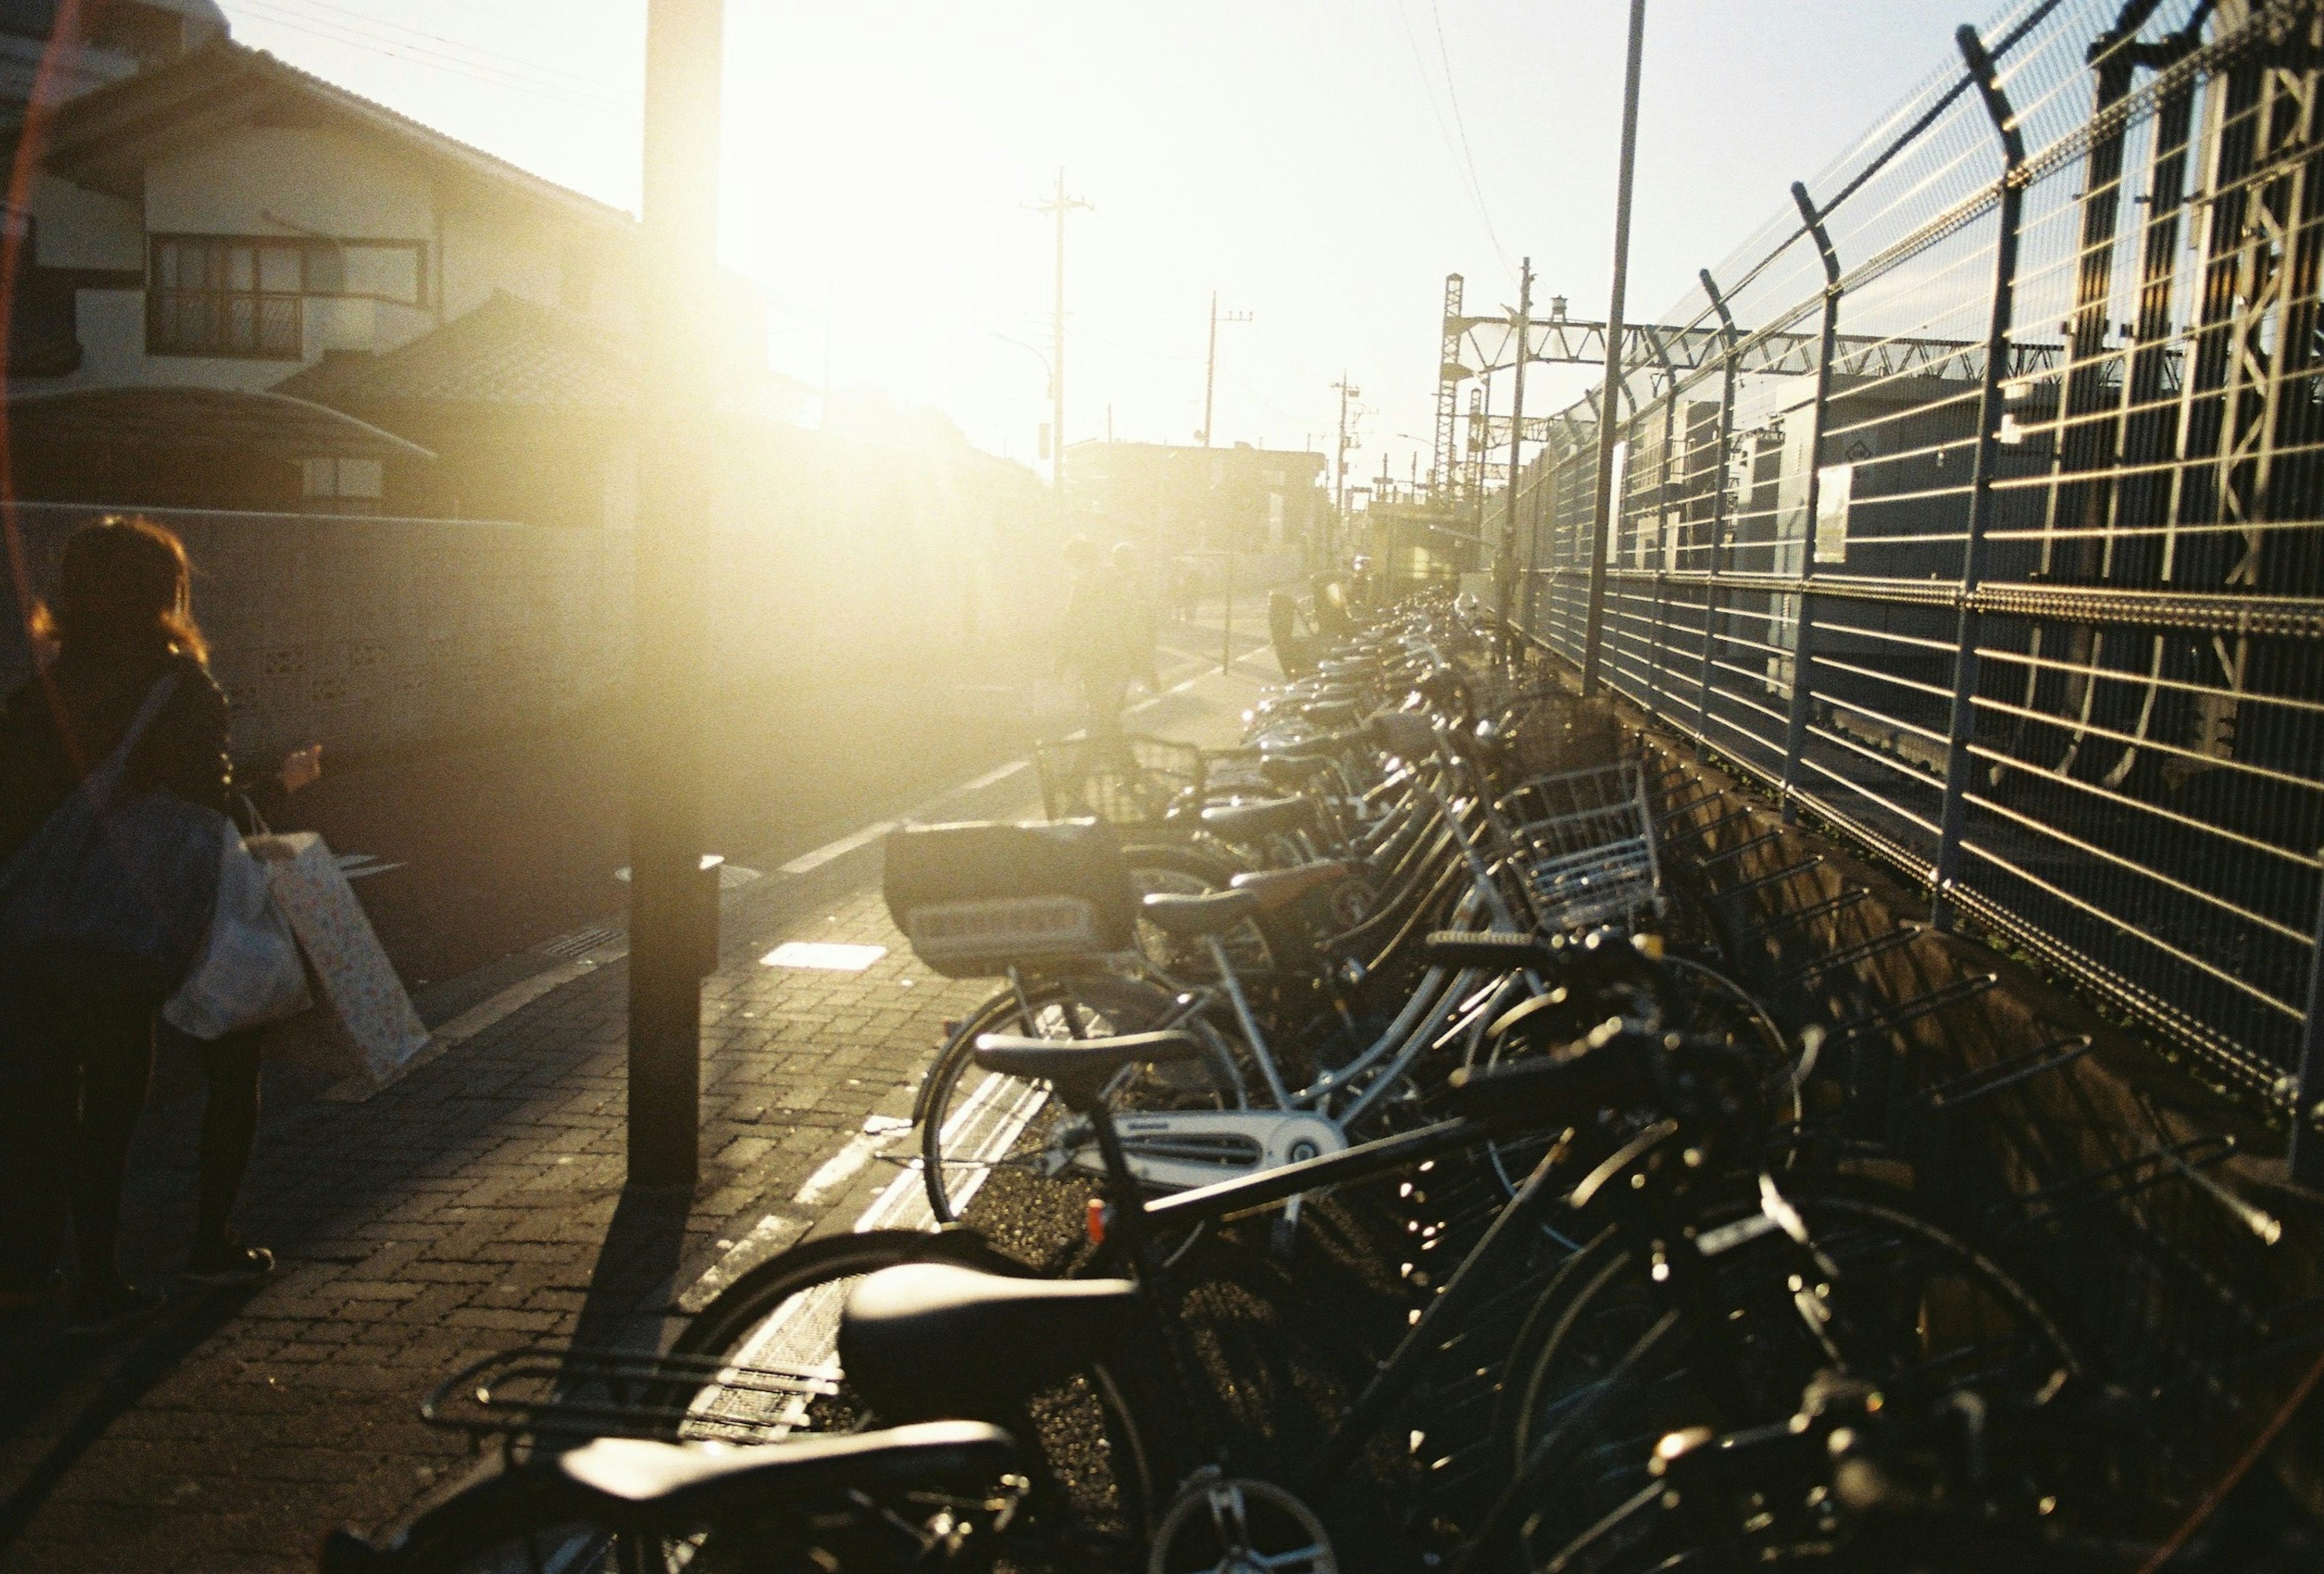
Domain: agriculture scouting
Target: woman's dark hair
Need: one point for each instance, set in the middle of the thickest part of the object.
(124, 589)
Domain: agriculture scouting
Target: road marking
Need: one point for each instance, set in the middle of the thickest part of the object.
(989, 779)
(823, 855)
(823, 956)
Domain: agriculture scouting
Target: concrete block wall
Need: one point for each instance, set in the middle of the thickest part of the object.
(374, 635)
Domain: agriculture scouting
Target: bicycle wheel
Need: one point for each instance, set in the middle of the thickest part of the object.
(780, 1321)
(1157, 869)
(1002, 1144)
(515, 1523)
(1610, 1362)
(758, 1364)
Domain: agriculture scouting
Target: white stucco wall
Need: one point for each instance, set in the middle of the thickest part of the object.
(283, 180)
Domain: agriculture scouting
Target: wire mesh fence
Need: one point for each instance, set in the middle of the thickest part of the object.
(1975, 507)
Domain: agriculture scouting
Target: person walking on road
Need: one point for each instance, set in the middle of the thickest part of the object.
(1098, 640)
(1139, 630)
(77, 1031)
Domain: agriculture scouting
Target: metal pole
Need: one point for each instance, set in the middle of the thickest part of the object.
(1795, 728)
(1210, 368)
(2306, 1153)
(1226, 633)
(1508, 571)
(1058, 354)
(1963, 721)
(684, 47)
(1662, 519)
(1601, 512)
(1711, 596)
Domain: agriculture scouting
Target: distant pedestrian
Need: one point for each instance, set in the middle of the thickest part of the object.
(1332, 622)
(77, 1027)
(1139, 628)
(1096, 643)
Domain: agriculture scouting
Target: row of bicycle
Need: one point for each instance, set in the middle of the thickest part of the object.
(1358, 1163)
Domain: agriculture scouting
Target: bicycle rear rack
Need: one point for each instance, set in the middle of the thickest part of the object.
(568, 1393)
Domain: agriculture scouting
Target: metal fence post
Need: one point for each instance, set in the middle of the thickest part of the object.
(1963, 721)
(1604, 516)
(2306, 1156)
(1711, 592)
(1795, 731)
(1660, 618)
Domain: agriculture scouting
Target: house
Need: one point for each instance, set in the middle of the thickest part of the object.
(421, 328)
(1181, 499)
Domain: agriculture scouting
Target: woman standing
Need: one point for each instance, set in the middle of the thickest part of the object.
(78, 1050)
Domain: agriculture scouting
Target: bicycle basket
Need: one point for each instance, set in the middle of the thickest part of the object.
(1125, 781)
(1585, 845)
(976, 899)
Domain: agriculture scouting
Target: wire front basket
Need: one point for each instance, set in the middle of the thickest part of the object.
(1131, 781)
(1585, 847)
(562, 1394)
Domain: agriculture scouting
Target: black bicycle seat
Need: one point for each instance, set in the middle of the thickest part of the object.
(1323, 750)
(1079, 1067)
(957, 1455)
(1490, 950)
(1610, 1068)
(935, 1339)
(1188, 917)
(1267, 818)
(1408, 734)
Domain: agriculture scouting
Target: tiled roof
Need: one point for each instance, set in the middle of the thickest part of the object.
(508, 352)
(513, 353)
(103, 138)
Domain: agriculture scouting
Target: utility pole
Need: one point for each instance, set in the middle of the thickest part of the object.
(668, 910)
(1523, 320)
(1057, 208)
(1210, 361)
(1347, 391)
(1610, 402)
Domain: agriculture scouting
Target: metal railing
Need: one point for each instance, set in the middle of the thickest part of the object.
(2039, 621)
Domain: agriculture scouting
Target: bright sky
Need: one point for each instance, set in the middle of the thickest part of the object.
(1322, 163)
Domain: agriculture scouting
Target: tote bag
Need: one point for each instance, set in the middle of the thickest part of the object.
(364, 999)
(127, 881)
(248, 972)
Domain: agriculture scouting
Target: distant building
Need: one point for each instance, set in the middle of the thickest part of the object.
(249, 287)
(1181, 500)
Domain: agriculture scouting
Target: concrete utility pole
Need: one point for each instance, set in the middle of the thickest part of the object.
(1057, 208)
(1210, 361)
(667, 945)
(1347, 391)
(1610, 402)
(1523, 322)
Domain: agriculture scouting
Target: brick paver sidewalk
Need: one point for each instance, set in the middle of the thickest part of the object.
(475, 1204)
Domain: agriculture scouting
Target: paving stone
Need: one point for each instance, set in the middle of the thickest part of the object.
(473, 1205)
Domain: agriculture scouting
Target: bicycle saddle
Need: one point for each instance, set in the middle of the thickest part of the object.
(1188, 917)
(1612, 1067)
(1319, 750)
(1493, 950)
(1279, 888)
(935, 1339)
(968, 1455)
(1330, 712)
(1079, 1067)
(1266, 817)
(1407, 734)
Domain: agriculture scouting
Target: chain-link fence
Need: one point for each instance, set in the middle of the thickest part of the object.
(1975, 506)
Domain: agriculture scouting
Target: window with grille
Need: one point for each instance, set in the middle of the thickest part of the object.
(237, 295)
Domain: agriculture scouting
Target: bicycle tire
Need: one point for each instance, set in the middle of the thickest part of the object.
(1597, 1358)
(1085, 1432)
(979, 1128)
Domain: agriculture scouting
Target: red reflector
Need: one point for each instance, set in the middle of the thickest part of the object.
(1098, 1214)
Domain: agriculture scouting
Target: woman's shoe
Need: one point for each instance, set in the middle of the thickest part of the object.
(228, 1262)
(104, 1307)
